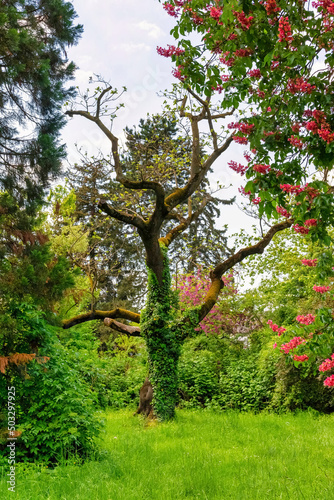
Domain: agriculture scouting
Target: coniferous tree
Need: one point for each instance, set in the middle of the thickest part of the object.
(34, 69)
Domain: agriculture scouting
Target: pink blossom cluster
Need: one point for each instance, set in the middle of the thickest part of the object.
(327, 365)
(215, 13)
(254, 73)
(301, 229)
(319, 125)
(295, 128)
(309, 262)
(295, 141)
(244, 128)
(237, 167)
(256, 200)
(325, 133)
(301, 359)
(243, 52)
(170, 9)
(311, 222)
(274, 65)
(284, 30)
(195, 17)
(242, 191)
(321, 289)
(240, 140)
(218, 89)
(329, 382)
(226, 59)
(271, 8)
(327, 5)
(171, 51)
(283, 211)
(244, 21)
(288, 188)
(276, 328)
(262, 169)
(289, 346)
(177, 72)
(308, 319)
(298, 84)
(247, 156)
(193, 288)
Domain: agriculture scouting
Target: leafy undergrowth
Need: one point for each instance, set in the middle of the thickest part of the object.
(201, 455)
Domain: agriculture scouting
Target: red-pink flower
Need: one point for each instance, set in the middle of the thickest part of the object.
(301, 358)
(170, 9)
(289, 346)
(288, 188)
(243, 20)
(309, 262)
(329, 381)
(243, 52)
(215, 13)
(256, 201)
(276, 328)
(171, 51)
(262, 169)
(254, 73)
(240, 140)
(321, 289)
(178, 73)
(311, 222)
(283, 211)
(275, 345)
(284, 30)
(326, 134)
(242, 191)
(295, 141)
(237, 167)
(300, 229)
(308, 319)
(271, 8)
(298, 84)
(312, 126)
(327, 365)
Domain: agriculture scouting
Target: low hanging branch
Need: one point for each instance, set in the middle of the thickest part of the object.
(115, 313)
(134, 331)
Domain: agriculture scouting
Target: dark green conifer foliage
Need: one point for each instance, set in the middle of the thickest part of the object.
(34, 70)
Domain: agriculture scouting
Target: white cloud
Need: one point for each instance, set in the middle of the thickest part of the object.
(131, 48)
(153, 30)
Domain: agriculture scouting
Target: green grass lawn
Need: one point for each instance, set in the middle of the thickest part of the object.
(201, 455)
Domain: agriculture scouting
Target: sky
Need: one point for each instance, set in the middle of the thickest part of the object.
(119, 43)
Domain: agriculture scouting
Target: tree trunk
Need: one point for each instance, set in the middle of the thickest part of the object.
(163, 342)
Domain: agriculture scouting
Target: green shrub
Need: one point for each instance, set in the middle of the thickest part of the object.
(55, 410)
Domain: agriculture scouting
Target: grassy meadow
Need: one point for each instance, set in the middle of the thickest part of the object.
(201, 455)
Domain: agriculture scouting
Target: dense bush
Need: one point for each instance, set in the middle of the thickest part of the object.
(55, 410)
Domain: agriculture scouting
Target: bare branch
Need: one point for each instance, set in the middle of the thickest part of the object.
(133, 220)
(176, 231)
(134, 331)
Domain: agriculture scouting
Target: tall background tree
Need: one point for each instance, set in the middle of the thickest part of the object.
(34, 36)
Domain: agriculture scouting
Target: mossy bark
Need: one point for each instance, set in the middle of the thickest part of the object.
(162, 340)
